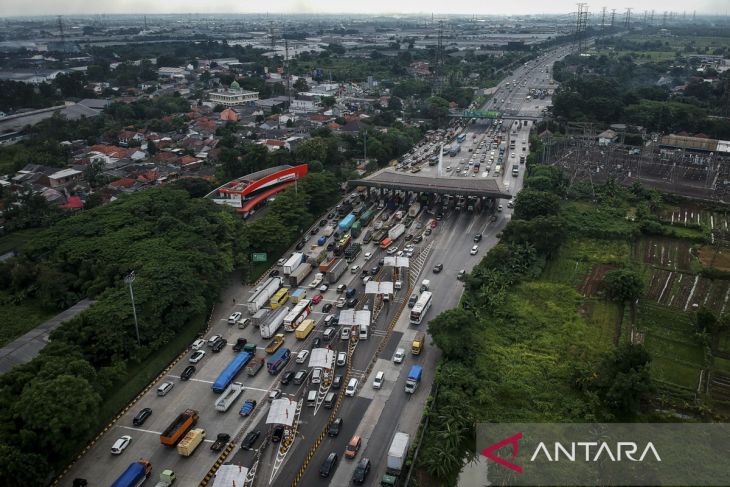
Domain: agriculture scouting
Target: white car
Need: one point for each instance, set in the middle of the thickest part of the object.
(345, 333)
(213, 339)
(392, 250)
(510, 204)
(368, 255)
(121, 444)
(474, 250)
(341, 359)
(302, 356)
(323, 288)
(281, 261)
(197, 356)
(354, 269)
(233, 319)
(400, 354)
(198, 344)
(341, 302)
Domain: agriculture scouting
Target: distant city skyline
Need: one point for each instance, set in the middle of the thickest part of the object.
(520, 7)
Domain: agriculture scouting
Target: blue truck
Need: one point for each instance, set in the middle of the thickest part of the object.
(278, 361)
(414, 378)
(231, 371)
(346, 223)
(135, 474)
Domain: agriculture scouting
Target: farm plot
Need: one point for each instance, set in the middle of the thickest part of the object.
(665, 252)
(685, 215)
(592, 281)
(720, 386)
(716, 258)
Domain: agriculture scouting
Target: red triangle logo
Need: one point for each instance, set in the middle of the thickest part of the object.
(512, 440)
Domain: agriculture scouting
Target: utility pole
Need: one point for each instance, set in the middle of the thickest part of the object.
(627, 19)
(365, 146)
(63, 37)
(129, 279)
(613, 17)
(603, 18)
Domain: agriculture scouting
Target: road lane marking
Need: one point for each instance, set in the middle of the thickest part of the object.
(141, 430)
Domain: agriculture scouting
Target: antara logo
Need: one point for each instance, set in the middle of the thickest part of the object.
(593, 451)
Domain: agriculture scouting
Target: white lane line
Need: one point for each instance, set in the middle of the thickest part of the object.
(140, 429)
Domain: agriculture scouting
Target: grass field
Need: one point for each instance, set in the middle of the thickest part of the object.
(14, 240)
(16, 320)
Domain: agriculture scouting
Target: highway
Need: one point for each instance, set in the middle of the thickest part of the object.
(373, 414)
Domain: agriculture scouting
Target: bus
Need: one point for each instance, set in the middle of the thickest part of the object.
(460, 138)
(278, 299)
(298, 314)
(278, 361)
(421, 308)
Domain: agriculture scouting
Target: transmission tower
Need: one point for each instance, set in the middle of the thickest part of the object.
(603, 18)
(646, 16)
(664, 19)
(273, 36)
(62, 50)
(627, 18)
(651, 19)
(613, 17)
(581, 22)
(439, 72)
(286, 71)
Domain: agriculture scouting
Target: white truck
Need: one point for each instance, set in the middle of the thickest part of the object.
(269, 328)
(414, 209)
(336, 271)
(298, 275)
(425, 285)
(397, 453)
(228, 397)
(396, 231)
(292, 263)
(261, 295)
(318, 278)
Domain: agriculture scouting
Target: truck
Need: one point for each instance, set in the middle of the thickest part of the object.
(303, 330)
(327, 264)
(336, 271)
(277, 319)
(454, 150)
(167, 478)
(253, 367)
(230, 372)
(298, 276)
(378, 235)
(425, 285)
(367, 217)
(396, 231)
(318, 278)
(343, 243)
(292, 263)
(352, 252)
(397, 453)
(278, 361)
(367, 237)
(261, 295)
(414, 378)
(389, 481)
(385, 243)
(346, 223)
(356, 229)
(418, 342)
(298, 294)
(220, 442)
(274, 344)
(187, 445)
(228, 397)
(328, 230)
(136, 473)
(259, 317)
(179, 427)
(414, 209)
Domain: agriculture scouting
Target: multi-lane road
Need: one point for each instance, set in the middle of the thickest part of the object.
(372, 414)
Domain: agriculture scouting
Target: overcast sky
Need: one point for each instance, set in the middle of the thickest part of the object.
(70, 7)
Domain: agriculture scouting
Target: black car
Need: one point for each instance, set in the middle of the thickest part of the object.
(478, 237)
(142, 416)
(330, 246)
(381, 262)
(300, 245)
(335, 427)
(329, 465)
(331, 215)
(220, 441)
(326, 308)
(374, 270)
(240, 343)
(322, 223)
(274, 273)
(438, 268)
(337, 382)
(287, 377)
(439, 216)
(313, 231)
(219, 344)
(351, 303)
(418, 239)
(277, 434)
(250, 439)
(188, 372)
(409, 237)
(361, 471)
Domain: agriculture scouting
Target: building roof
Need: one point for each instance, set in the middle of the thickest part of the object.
(64, 173)
(73, 203)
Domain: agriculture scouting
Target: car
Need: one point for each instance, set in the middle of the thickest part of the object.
(335, 428)
(220, 442)
(323, 288)
(313, 231)
(274, 394)
(248, 406)
(213, 339)
(418, 239)
(329, 465)
(493, 218)
(355, 269)
(399, 355)
(328, 333)
(419, 226)
(322, 222)
(478, 237)
(274, 273)
(351, 303)
(345, 333)
(330, 246)
(341, 359)
(240, 343)
(391, 250)
(300, 245)
(197, 356)
(409, 237)
(326, 308)
(461, 275)
(316, 299)
(510, 204)
(316, 342)
(427, 232)
(164, 388)
(142, 416)
(198, 344)
(474, 250)
(379, 380)
(412, 300)
(341, 302)
(281, 261)
(341, 289)
(499, 208)
(302, 356)
(331, 215)
(375, 270)
(188, 372)
(234, 317)
(287, 377)
(250, 439)
(278, 433)
(438, 268)
(337, 382)
(367, 255)
(121, 444)
(218, 346)
(353, 447)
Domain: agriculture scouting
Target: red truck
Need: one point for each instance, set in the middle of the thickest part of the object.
(179, 428)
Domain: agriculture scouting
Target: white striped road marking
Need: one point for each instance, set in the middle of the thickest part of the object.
(140, 429)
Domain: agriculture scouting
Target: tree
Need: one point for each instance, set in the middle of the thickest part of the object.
(322, 189)
(532, 203)
(623, 285)
(23, 468)
(328, 101)
(312, 149)
(456, 332)
(301, 85)
(151, 148)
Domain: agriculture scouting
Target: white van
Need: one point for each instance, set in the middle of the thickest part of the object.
(316, 375)
(164, 388)
(311, 399)
(379, 379)
(351, 387)
(363, 333)
(329, 400)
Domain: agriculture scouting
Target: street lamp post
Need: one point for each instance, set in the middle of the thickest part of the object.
(129, 279)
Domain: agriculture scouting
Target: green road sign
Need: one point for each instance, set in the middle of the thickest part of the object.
(258, 257)
(481, 114)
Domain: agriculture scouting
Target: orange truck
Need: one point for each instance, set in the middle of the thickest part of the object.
(179, 428)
